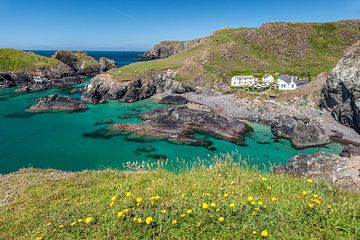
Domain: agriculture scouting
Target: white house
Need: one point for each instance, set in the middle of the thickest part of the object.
(286, 82)
(268, 79)
(38, 79)
(243, 81)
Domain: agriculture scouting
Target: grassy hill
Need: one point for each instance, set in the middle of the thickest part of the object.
(15, 60)
(224, 202)
(304, 49)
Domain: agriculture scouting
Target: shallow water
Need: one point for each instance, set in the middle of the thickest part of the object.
(56, 140)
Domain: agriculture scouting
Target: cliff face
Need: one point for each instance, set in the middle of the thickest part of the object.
(167, 48)
(342, 92)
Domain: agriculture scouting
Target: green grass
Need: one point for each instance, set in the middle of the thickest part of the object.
(279, 206)
(14, 60)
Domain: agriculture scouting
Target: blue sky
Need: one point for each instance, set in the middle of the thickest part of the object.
(139, 24)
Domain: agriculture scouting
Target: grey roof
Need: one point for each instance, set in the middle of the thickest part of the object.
(288, 78)
(300, 82)
(266, 75)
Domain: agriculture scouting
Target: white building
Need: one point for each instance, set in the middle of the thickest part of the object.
(38, 79)
(286, 82)
(243, 81)
(268, 79)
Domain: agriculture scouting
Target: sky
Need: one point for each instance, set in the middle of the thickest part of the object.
(130, 25)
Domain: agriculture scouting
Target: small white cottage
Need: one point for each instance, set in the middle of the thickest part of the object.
(286, 82)
(243, 81)
(268, 79)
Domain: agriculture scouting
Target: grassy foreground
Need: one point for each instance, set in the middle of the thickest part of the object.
(223, 202)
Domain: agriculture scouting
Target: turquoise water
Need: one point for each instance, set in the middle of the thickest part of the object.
(55, 140)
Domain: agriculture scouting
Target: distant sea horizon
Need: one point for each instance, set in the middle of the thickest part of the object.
(122, 58)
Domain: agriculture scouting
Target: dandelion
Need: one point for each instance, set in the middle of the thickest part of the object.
(73, 223)
(221, 219)
(226, 195)
(138, 200)
(311, 205)
(274, 199)
(79, 220)
(139, 220)
(183, 215)
(88, 220)
(254, 232)
(113, 199)
(155, 198)
(120, 214)
(128, 194)
(189, 211)
(207, 194)
(264, 234)
(250, 198)
(264, 179)
(329, 206)
(269, 187)
(126, 210)
(149, 220)
(310, 180)
(134, 219)
(61, 226)
(163, 211)
(315, 195)
(182, 195)
(205, 206)
(257, 209)
(304, 193)
(174, 222)
(232, 205)
(252, 202)
(213, 205)
(38, 238)
(316, 200)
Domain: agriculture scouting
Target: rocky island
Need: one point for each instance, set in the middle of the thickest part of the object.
(57, 103)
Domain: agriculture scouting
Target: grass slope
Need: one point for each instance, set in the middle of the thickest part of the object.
(15, 60)
(225, 202)
(304, 49)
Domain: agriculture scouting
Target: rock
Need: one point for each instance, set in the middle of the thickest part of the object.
(167, 48)
(177, 125)
(105, 86)
(106, 64)
(176, 100)
(350, 151)
(103, 122)
(302, 132)
(32, 87)
(79, 61)
(341, 94)
(57, 103)
(327, 167)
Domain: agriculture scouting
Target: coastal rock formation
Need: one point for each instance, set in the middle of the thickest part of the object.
(167, 48)
(302, 132)
(174, 99)
(106, 64)
(105, 86)
(342, 92)
(79, 61)
(57, 103)
(325, 166)
(350, 151)
(177, 125)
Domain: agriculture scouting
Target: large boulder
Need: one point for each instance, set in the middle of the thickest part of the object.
(341, 94)
(167, 48)
(106, 64)
(302, 132)
(79, 61)
(54, 102)
(174, 99)
(105, 86)
(327, 167)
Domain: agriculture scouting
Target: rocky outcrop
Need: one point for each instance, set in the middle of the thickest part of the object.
(302, 132)
(177, 125)
(342, 92)
(105, 86)
(106, 64)
(327, 167)
(80, 62)
(350, 151)
(174, 99)
(57, 103)
(167, 48)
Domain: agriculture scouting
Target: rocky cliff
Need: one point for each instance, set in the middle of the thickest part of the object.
(167, 48)
(341, 94)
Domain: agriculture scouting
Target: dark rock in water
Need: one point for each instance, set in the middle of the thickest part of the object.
(276, 140)
(127, 116)
(23, 115)
(341, 94)
(157, 156)
(106, 64)
(54, 102)
(146, 149)
(103, 122)
(176, 100)
(33, 87)
(350, 151)
(177, 125)
(105, 86)
(302, 132)
(259, 142)
(325, 166)
(103, 133)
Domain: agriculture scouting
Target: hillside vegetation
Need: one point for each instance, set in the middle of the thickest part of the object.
(15, 60)
(304, 49)
(223, 202)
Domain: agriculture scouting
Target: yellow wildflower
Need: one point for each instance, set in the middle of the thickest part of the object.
(207, 194)
(269, 187)
(88, 220)
(111, 204)
(304, 192)
(155, 198)
(252, 202)
(79, 220)
(163, 211)
(128, 194)
(212, 204)
(174, 222)
(274, 199)
(315, 195)
(221, 219)
(126, 210)
(38, 238)
(329, 206)
(61, 226)
(120, 214)
(232, 205)
(139, 220)
(264, 234)
(189, 211)
(250, 198)
(139, 200)
(311, 205)
(257, 209)
(134, 219)
(264, 179)
(205, 206)
(226, 195)
(113, 199)
(316, 200)
(73, 223)
(260, 203)
(309, 180)
(182, 195)
(254, 232)
(48, 224)
(149, 220)
(183, 215)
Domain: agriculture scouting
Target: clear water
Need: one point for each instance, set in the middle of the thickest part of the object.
(55, 140)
